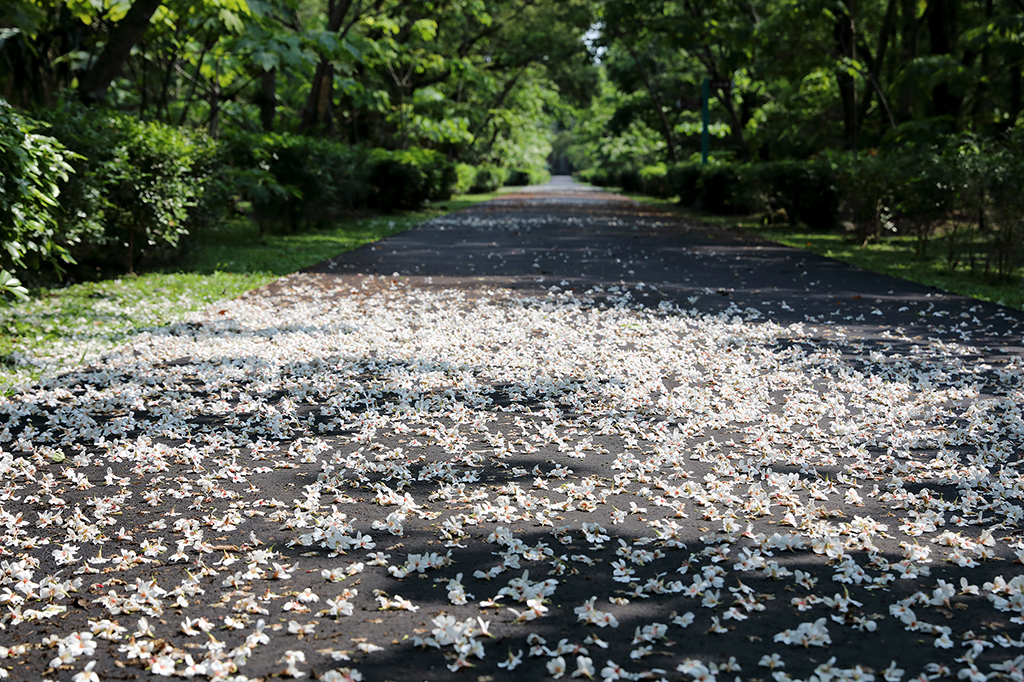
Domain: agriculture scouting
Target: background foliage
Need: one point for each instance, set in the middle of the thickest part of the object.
(883, 119)
(158, 120)
(877, 118)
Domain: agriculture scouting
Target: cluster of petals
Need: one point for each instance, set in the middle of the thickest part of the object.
(407, 417)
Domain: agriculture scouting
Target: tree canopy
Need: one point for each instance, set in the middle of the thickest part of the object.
(793, 77)
(489, 80)
(330, 105)
(476, 79)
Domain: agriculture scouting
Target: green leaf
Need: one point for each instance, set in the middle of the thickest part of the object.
(427, 95)
(11, 285)
(231, 20)
(426, 28)
(353, 50)
(267, 60)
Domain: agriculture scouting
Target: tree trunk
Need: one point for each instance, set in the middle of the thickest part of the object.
(497, 104)
(1015, 78)
(909, 38)
(317, 111)
(978, 113)
(875, 64)
(666, 129)
(941, 15)
(846, 40)
(143, 93)
(215, 101)
(738, 124)
(211, 40)
(92, 86)
(267, 99)
(1014, 103)
(165, 85)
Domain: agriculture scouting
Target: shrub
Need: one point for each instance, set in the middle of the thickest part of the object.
(465, 178)
(1006, 234)
(868, 196)
(408, 178)
(684, 181)
(85, 202)
(906, 191)
(519, 177)
(151, 189)
(629, 180)
(986, 179)
(804, 189)
(306, 182)
(654, 181)
(296, 180)
(33, 168)
(595, 176)
(964, 189)
(441, 173)
(488, 179)
(540, 176)
(725, 189)
(140, 189)
(396, 182)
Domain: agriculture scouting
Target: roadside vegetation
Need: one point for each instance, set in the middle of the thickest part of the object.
(158, 156)
(898, 256)
(883, 132)
(130, 131)
(247, 138)
(58, 327)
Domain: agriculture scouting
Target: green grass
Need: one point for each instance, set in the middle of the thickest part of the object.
(896, 256)
(60, 328)
(239, 248)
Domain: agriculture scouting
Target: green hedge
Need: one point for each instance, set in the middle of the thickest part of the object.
(408, 178)
(684, 181)
(135, 194)
(33, 168)
(140, 190)
(797, 191)
(654, 181)
(520, 177)
(599, 177)
(308, 182)
(465, 178)
(296, 181)
(488, 179)
(965, 191)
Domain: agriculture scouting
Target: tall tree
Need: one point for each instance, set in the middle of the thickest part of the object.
(319, 104)
(93, 84)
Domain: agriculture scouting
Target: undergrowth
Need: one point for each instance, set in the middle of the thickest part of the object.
(63, 327)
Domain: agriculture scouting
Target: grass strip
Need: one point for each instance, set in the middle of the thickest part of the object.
(64, 327)
(894, 255)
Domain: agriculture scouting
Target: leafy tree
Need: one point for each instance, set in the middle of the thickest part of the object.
(32, 167)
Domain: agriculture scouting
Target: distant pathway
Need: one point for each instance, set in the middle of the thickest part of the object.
(560, 435)
(543, 235)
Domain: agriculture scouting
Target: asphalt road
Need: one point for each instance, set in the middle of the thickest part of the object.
(560, 423)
